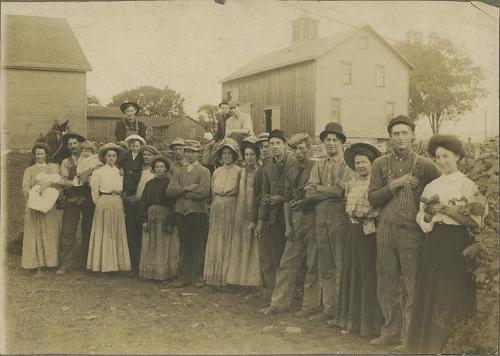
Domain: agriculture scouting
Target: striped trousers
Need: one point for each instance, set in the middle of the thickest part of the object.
(399, 250)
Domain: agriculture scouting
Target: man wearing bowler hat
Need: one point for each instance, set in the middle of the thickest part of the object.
(396, 185)
(129, 125)
(77, 202)
(271, 222)
(327, 183)
(225, 113)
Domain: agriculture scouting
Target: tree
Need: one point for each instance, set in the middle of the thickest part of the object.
(93, 100)
(444, 84)
(154, 102)
(208, 115)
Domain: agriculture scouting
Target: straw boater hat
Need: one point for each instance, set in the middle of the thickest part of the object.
(192, 145)
(135, 137)
(298, 138)
(109, 146)
(333, 128)
(360, 148)
(177, 142)
(163, 159)
(126, 104)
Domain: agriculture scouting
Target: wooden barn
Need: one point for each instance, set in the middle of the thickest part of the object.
(101, 121)
(355, 77)
(43, 78)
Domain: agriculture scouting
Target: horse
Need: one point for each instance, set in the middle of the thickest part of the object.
(54, 140)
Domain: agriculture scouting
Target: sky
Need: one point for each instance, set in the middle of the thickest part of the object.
(190, 46)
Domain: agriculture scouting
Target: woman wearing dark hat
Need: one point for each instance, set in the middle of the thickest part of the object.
(244, 263)
(108, 248)
(129, 125)
(41, 229)
(445, 293)
(160, 243)
(221, 224)
(149, 152)
(358, 310)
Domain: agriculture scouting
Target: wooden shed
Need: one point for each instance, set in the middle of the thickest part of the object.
(101, 121)
(354, 77)
(44, 78)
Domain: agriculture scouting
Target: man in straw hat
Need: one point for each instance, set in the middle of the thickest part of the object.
(190, 187)
(77, 202)
(397, 183)
(326, 185)
(300, 234)
(129, 125)
(271, 223)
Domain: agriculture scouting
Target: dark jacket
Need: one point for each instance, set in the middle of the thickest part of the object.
(121, 130)
(132, 170)
(220, 132)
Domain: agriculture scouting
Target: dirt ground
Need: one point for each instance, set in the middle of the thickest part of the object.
(100, 314)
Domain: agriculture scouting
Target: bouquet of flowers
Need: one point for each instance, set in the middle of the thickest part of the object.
(429, 204)
(466, 207)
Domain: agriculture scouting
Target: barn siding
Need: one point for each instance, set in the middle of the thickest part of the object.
(34, 99)
(185, 128)
(292, 87)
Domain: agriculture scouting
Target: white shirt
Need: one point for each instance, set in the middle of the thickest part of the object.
(242, 121)
(105, 179)
(447, 187)
(190, 166)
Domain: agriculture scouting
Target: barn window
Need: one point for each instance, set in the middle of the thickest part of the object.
(346, 73)
(363, 43)
(335, 109)
(379, 75)
(389, 111)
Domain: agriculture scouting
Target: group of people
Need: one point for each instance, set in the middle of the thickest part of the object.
(362, 222)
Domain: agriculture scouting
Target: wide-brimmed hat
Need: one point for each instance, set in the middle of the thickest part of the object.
(89, 145)
(135, 137)
(223, 102)
(163, 159)
(152, 149)
(400, 119)
(177, 142)
(126, 104)
(298, 138)
(192, 145)
(264, 136)
(65, 138)
(227, 142)
(360, 148)
(109, 146)
(333, 128)
(277, 134)
(250, 141)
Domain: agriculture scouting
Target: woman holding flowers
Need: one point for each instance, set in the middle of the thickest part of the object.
(445, 293)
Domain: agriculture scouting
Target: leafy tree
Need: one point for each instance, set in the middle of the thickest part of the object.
(154, 102)
(208, 115)
(93, 100)
(444, 84)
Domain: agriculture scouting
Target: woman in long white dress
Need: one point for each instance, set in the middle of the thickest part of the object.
(108, 248)
(221, 226)
(41, 230)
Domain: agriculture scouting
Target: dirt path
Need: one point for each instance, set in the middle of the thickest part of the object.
(86, 313)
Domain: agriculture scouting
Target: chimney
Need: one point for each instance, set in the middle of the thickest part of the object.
(304, 29)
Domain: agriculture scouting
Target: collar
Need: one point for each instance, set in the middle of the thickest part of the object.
(335, 159)
(194, 164)
(364, 178)
(43, 164)
(282, 161)
(75, 158)
(403, 158)
(452, 177)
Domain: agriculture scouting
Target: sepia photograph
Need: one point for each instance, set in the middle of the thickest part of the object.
(236, 177)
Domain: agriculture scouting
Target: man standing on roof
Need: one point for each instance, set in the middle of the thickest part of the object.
(129, 125)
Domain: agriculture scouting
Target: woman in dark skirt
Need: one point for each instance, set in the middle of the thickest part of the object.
(160, 243)
(445, 292)
(358, 310)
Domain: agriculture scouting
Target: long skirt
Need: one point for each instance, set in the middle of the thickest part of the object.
(160, 251)
(221, 228)
(108, 248)
(244, 262)
(445, 292)
(358, 310)
(41, 239)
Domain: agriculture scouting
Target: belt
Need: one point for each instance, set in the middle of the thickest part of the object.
(112, 193)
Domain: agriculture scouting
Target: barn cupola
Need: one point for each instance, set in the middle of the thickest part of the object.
(304, 29)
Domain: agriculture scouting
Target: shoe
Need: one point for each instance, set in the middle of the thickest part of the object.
(271, 310)
(304, 313)
(385, 341)
(321, 317)
(61, 271)
(179, 283)
(400, 348)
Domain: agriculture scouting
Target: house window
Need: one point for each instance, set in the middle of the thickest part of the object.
(346, 73)
(379, 75)
(389, 111)
(335, 109)
(363, 43)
